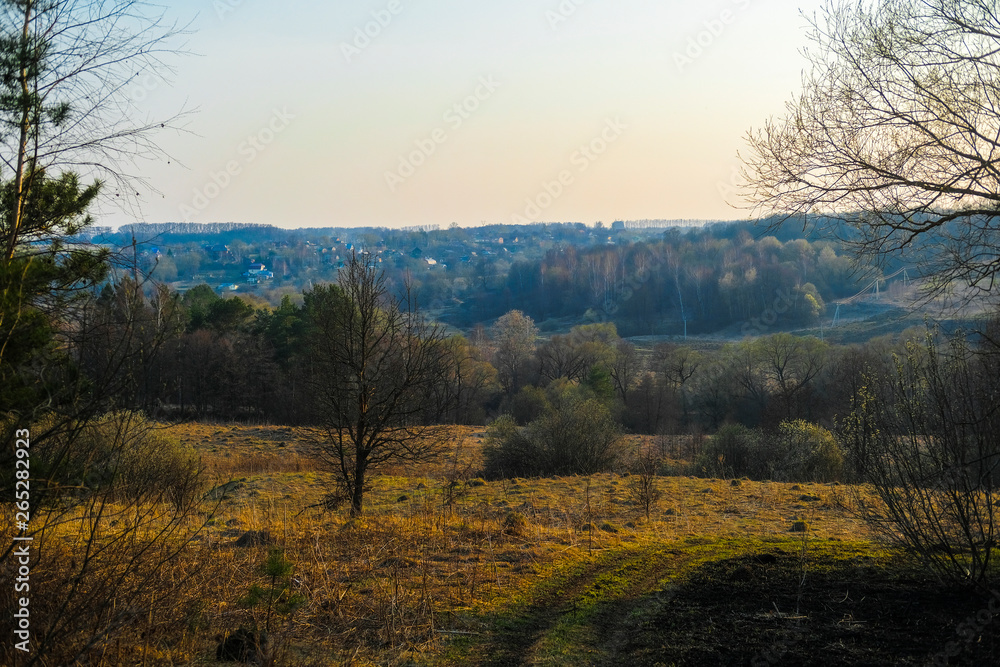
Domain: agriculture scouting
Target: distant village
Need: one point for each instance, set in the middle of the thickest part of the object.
(647, 277)
(270, 261)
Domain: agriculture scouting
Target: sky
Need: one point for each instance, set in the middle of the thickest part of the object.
(403, 113)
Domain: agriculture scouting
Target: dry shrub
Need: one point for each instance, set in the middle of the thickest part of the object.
(516, 524)
(642, 486)
(926, 436)
(104, 583)
(113, 505)
(120, 453)
(578, 437)
(731, 452)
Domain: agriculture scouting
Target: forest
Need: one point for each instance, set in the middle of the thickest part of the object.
(235, 357)
(646, 282)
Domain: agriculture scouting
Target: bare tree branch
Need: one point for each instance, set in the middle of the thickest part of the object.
(893, 141)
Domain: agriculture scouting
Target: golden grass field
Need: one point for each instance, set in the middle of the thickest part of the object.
(546, 571)
(421, 580)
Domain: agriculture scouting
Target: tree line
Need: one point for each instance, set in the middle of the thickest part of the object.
(646, 282)
(201, 355)
(698, 281)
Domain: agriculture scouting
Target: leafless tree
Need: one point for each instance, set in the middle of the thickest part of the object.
(677, 365)
(375, 363)
(561, 356)
(626, 367)
(925, 437)
(894, 137)
(67, 71)
(643, 485)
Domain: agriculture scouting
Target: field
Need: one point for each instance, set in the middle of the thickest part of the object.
(447, 569)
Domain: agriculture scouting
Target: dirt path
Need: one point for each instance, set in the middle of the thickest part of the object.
(706, 603)
(583, 612)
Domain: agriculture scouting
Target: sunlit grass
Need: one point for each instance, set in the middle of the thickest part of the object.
(431, 566)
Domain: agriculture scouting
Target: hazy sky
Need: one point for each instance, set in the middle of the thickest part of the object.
(415, 112)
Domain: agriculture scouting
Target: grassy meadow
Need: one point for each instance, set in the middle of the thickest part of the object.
(445, 568)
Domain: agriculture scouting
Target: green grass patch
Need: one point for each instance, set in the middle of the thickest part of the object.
(582, 608)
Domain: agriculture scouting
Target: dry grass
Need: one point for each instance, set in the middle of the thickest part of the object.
(429, 558)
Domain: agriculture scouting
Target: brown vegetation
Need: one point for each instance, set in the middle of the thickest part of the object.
(415, 570)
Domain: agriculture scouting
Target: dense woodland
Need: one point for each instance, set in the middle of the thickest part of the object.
(222, 357)
(645, 281)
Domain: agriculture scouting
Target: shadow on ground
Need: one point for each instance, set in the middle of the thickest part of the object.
(840, 605)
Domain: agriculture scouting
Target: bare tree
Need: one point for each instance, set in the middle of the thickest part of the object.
(375, 363)
(790, 364)
(626, 367)
(677, 365)
(776, 372)
(925, 436)
(66, 67)
(574, 355)
(472, 379)
(643, 486)
(561, 356)
(893, 139)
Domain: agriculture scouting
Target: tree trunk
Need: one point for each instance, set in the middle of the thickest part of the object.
(24, 128)
(358, 492)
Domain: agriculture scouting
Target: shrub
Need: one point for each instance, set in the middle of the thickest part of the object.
(516, 524)
(104, 541)
(122, 453)
(579, 437)
(926, 436)
(798, 451)
(808, 452)
(529, 404)
(507, 451)
(731, 452)
(642, 486)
